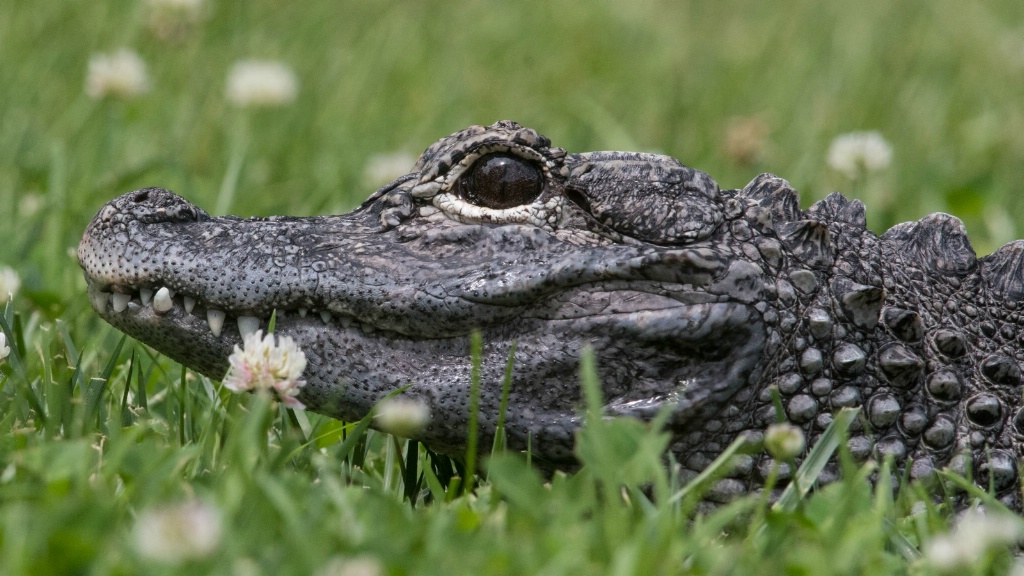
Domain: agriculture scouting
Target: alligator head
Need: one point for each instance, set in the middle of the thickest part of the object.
(695, 301)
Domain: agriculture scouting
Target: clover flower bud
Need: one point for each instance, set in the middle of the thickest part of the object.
(402, 416)
(784, 441)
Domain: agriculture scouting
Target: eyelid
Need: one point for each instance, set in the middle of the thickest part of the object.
(544, 214)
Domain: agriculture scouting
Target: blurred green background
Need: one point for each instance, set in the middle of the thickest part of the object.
(733, 88)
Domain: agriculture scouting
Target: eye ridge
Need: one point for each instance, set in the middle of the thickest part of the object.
(500, 181)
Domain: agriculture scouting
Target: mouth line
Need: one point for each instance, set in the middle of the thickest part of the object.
(123, 302)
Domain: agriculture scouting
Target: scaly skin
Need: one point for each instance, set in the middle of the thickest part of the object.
(694, 299)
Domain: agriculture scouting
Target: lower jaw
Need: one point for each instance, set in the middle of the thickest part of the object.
(352, 366)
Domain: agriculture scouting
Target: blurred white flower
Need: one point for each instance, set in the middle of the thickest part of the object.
(784, 441)
(121, 74)
(856, 153)
(246, 567)
(30, 204)
(173, 19)
(262, 363)
(191, 7)
(974, 534)
(1013, 48)
(178, 533)
(402, 416)
(9, 283)
(383, 168)
(261, 83)
(4, 348)
(357, 566)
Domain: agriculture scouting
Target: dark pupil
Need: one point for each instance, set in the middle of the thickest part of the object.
(501, 181)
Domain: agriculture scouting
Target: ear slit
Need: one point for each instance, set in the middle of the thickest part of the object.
(577, 198)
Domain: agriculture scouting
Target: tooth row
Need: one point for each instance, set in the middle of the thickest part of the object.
(163, 300)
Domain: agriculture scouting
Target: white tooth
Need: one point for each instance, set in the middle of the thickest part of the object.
(146, 295)
(247, 325)
(215, 318)
(121, 302)
(303, 312)
(190, 303)
(163, 302)
(99, 301)
(345, 322)
(325, 316)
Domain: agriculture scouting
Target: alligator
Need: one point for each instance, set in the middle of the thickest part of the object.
(697, 302)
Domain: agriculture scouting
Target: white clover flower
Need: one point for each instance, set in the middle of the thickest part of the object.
(178, 533)
(263, 364)
(402, 416)
(173, 19)
(856, 153)
(784, 441)
(975, 533)
(121, 74)
(9, 283)
(383, 168)
(4, 348)
(261, 83)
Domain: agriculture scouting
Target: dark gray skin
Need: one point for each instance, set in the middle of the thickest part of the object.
(694, 299)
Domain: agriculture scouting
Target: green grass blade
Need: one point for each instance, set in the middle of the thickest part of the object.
(807, 474)
(14, 342)
(591, 385)
(126, 413)
(410, 474)
(433, 484)
(500, 440)
(69, 345)
(717, 469)
(140, 386)
(108, 369)
(272, 323)
(476, 353)
(358, 433)
(93, 395)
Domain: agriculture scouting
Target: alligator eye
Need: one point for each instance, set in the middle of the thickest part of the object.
(500, 181)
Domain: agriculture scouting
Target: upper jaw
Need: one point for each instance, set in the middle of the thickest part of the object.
(153, 246)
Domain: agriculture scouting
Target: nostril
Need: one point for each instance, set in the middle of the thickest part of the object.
(141, 196)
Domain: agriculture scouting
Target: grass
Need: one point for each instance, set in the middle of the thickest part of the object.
(97, 432)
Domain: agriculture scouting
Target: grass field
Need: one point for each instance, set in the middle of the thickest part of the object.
(116, 461)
